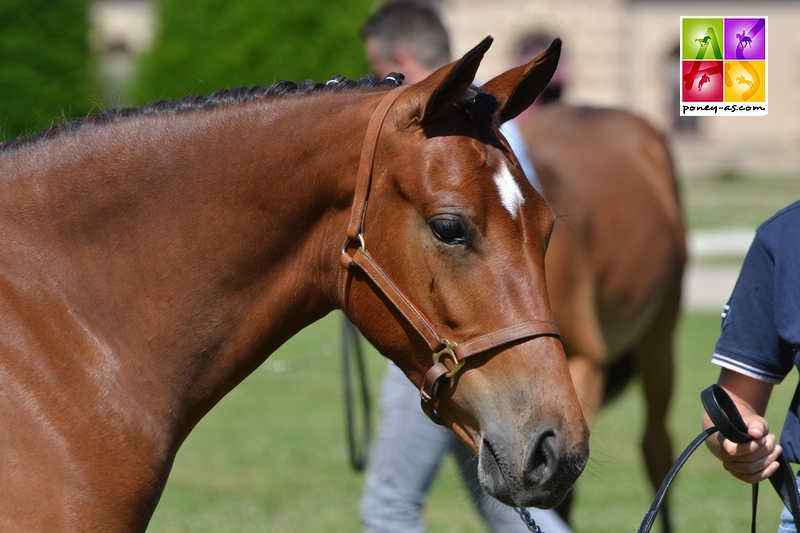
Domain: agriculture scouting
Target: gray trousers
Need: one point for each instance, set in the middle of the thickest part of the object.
(406, 455)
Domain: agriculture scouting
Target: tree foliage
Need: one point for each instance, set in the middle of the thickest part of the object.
(205, 45)
(45, 64)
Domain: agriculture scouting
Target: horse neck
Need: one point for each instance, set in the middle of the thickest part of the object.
(193, 245)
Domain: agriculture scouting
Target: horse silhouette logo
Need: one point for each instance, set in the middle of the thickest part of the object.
(741, 80)
(703, 80)
(704, 41)
(744, 40)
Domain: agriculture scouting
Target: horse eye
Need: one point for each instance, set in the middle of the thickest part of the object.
(448, 229)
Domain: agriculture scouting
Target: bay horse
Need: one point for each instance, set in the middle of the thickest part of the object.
(154, 257)
(614, 266)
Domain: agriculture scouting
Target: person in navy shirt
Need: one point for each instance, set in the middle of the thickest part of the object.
(757, 348)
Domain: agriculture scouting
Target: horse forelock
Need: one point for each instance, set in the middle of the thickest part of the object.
(479, 106)
(217, 99)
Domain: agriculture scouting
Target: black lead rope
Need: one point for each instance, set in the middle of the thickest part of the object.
(728, 421)
(351, 348)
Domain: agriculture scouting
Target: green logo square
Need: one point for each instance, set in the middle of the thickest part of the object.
(701, 38)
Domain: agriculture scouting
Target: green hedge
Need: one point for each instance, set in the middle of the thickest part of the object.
(205, 45)
(45, 64)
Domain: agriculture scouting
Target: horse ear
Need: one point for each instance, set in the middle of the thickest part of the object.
(516, 89)
(434, 95)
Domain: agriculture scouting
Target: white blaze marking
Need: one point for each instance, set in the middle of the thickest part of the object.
(510, 194)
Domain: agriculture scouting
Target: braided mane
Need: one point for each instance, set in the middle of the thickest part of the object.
(479, 106)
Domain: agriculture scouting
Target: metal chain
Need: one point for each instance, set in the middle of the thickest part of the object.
(528, 520)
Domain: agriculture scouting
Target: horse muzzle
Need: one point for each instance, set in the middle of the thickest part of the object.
(539, 475)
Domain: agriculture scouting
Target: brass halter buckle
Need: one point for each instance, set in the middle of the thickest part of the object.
(448, 350)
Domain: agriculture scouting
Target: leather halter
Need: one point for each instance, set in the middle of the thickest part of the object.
(440, 347)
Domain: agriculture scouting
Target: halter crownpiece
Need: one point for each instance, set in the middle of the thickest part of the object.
(441, 348)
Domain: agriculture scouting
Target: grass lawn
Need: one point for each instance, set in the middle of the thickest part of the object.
(271, 456)
(735, 201)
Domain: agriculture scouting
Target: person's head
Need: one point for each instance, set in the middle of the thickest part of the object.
(406, 37)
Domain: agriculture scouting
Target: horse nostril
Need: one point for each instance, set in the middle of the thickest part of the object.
(537, 475)
(540, 457)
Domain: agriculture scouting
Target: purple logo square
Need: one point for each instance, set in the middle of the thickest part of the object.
(745, 38)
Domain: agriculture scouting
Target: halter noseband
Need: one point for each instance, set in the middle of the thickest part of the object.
(440, 347)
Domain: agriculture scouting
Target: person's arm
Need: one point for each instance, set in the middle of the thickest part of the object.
(756, 460)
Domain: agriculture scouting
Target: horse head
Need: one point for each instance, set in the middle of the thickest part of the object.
(457, 239)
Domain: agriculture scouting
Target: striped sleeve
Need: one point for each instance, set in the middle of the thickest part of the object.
(748, 370)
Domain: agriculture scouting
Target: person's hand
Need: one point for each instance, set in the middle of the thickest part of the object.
(752, 461)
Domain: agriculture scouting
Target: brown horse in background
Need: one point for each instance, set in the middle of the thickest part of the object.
(152, 258)
(616, 257)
